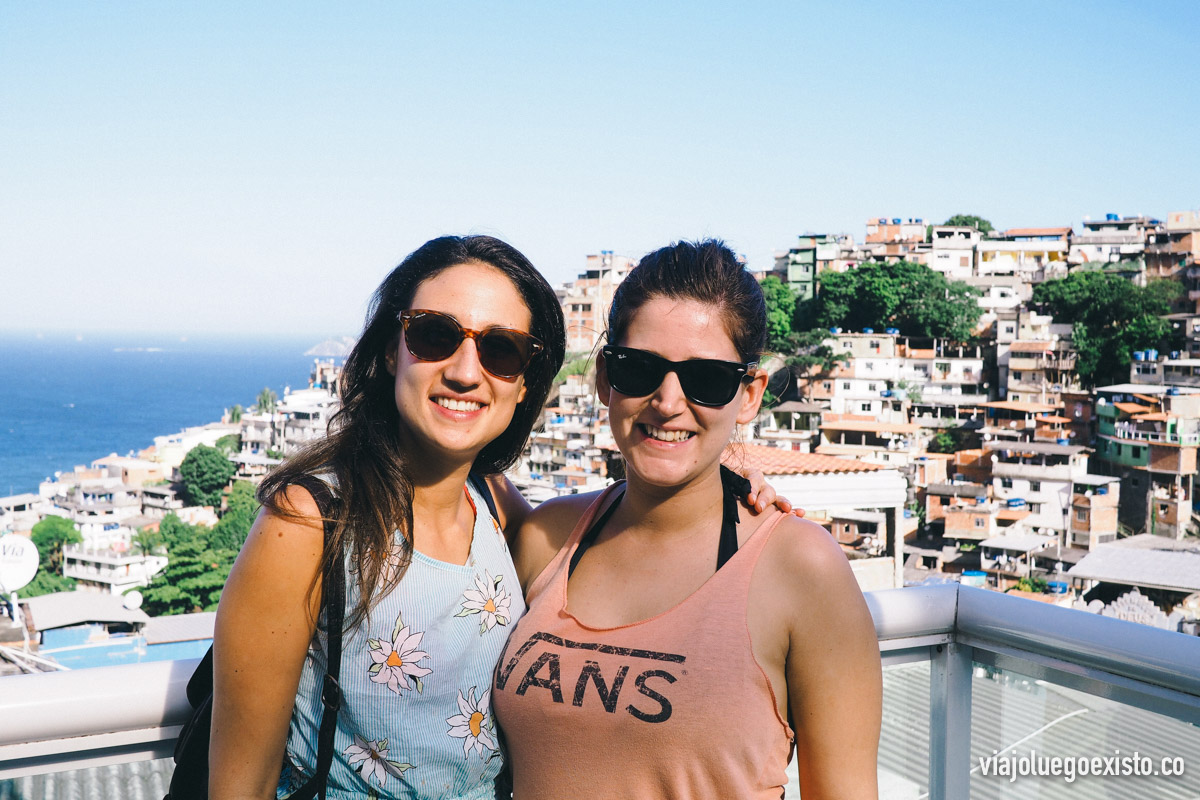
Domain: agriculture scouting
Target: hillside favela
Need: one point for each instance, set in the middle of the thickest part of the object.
(1014, 410)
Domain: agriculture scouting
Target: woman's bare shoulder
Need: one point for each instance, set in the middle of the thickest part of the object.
(546, 529)
(803, 558)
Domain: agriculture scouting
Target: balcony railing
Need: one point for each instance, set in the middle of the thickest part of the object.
(955, 659)
(1123, 432)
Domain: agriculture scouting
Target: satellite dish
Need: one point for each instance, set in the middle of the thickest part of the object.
(18, 562)
(133, 600)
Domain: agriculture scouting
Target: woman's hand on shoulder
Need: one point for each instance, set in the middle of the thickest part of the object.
(763, 495)
(265, 622)
(544, 532)
(833, 669)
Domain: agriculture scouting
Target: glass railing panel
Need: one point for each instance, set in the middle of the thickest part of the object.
(904, 738)
(136, 780)
(1034, 739)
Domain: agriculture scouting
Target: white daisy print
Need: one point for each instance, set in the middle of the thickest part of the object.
(489, 601)
(474, 724)
(373, 758)
(396, 659)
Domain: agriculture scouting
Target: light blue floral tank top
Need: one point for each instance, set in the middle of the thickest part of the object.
(416, 721)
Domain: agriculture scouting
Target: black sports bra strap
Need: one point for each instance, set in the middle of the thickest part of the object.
(735, 487)
(589, 538)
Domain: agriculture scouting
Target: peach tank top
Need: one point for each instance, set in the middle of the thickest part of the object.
(674, 706)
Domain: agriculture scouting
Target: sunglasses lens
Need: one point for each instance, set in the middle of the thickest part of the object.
(504, 353)
(633, 372)
(709, 383)
(432, 337)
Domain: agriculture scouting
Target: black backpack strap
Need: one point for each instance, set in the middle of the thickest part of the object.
(480, 483)
(334, 600)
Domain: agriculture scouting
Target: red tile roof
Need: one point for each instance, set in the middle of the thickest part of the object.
(775, 461)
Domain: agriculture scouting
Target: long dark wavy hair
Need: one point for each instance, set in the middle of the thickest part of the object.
(363, 448)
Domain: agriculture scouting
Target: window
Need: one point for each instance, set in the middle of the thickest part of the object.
(1035, 486)
(828, 386)
(846, 344)
(1081, 515)
(1016, 376)
(866, 407)
(942, 366)
(1162, 509)
(874, 345)
(871, 387)
(1009, 329)
(980, 522)
(846, 386)
(1137, 451)
(1006, 483)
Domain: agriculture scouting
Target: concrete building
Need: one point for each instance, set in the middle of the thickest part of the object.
(1043, 477)
(1113, 244)
(1148, 436)
(586, 300)
(109, 570)
(953, 251)
(1033, 254)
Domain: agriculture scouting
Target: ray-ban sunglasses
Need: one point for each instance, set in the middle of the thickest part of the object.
(434, 336)
(705, 381)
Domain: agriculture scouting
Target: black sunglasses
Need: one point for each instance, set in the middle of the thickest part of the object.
(705, 381)
(434, 336)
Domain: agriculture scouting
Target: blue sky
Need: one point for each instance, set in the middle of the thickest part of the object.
(256, 168)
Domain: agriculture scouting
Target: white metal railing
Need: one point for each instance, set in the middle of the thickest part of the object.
(108, 715)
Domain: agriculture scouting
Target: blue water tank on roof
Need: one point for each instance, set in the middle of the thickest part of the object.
(1112, 217)
(893, 330)
(1101, 490)
(868, 330)
(895, 220)
(1173, 391)
(1139, 355)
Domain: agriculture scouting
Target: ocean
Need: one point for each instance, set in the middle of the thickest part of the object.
(68, 399)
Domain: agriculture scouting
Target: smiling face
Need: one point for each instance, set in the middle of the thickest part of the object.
(666, 439)
(450, 409)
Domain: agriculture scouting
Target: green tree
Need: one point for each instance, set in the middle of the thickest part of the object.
(50, 535)
(266, 401)
(230, 443)
(146, 541)
(781, 307)
(970, 220)
(195, 573)
(241, 510)
(943, 442)
(1111, 318)
(47, 583)
(235, 414)
(909, 296)
(205, 472)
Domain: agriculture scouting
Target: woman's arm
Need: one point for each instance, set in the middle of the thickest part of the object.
(832, 667)
(265, 622)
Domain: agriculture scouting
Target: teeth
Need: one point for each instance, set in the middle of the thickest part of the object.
(666, 436)
(457, 405)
